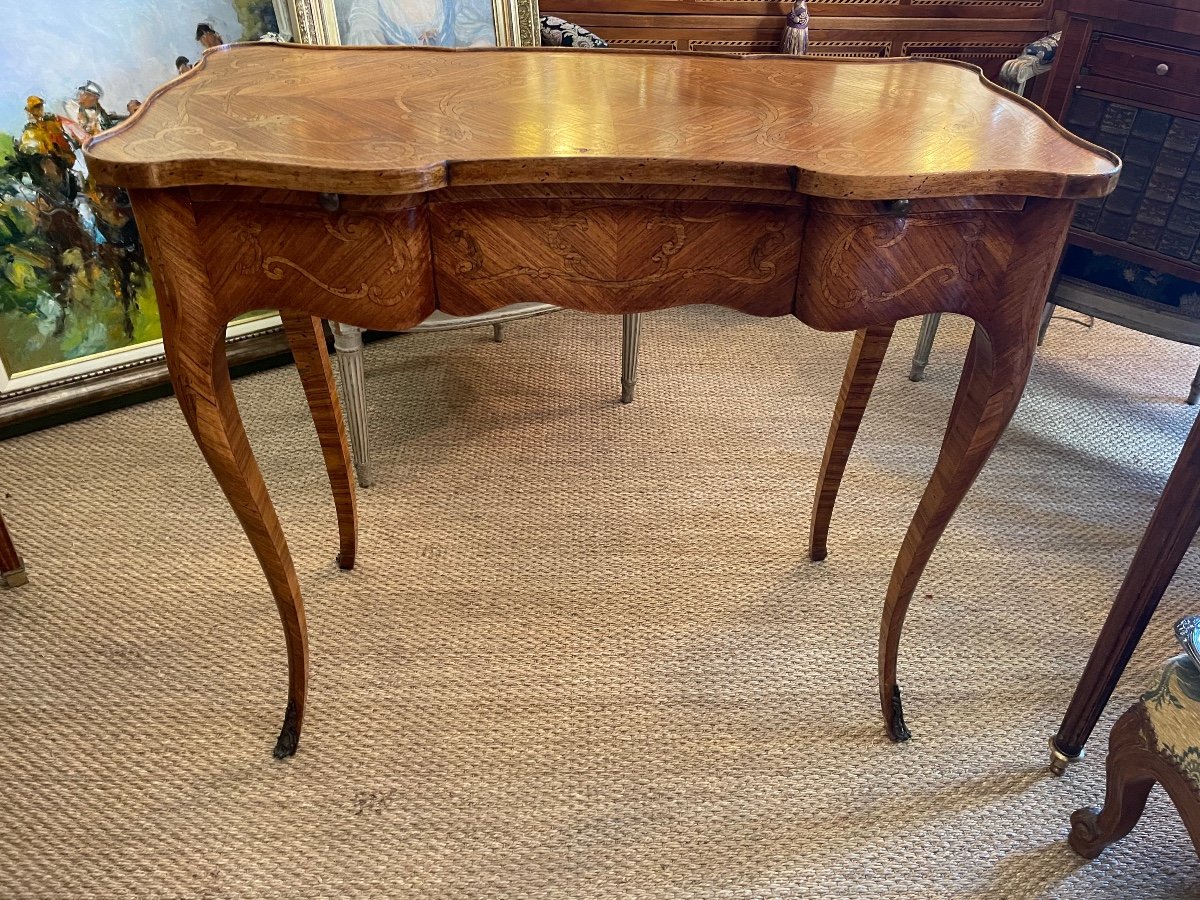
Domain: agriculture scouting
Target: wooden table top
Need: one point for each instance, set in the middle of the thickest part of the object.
(386, 120)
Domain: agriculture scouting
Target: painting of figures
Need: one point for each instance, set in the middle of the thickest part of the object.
(73, 277)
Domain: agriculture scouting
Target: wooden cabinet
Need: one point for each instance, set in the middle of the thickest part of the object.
(1128, 78)
(982, 32)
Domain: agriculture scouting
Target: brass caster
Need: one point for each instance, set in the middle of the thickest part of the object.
(1059, 760)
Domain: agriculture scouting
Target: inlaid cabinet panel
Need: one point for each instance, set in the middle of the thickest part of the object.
(854, 264)
(1127, 78)
(988, 51)
(972, 38)
(915, 9)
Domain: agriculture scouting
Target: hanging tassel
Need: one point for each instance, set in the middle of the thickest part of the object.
(795, 33)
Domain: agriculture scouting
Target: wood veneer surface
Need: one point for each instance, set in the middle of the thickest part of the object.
(393, 119)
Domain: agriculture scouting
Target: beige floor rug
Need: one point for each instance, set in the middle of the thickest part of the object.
(584, 654)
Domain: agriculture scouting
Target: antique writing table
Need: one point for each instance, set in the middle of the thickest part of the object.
(375, 185)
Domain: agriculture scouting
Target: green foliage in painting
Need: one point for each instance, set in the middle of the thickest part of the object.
(73, 279)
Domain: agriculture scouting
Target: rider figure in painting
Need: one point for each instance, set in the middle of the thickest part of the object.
(45, 143)
(92, 116)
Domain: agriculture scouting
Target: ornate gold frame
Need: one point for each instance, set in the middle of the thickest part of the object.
(315, 22)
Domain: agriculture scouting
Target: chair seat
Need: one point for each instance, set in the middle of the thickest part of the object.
(1173, 708)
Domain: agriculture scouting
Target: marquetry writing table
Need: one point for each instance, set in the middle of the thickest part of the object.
(373, 186)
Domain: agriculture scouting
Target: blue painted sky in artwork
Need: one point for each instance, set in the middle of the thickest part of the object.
(128, 47)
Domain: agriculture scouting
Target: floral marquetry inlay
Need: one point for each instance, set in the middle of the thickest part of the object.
(268, 256)
(347, 229)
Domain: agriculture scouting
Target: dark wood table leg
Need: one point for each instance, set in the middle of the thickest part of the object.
(866, 356)
(12, 569)
(1168, 536)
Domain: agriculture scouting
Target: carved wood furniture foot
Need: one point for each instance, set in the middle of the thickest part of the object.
(866, 356)
(815, 189)
(1173, 525)
(12, 568)
(1157, 740)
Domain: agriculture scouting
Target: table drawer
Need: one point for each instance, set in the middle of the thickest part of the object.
(1152, 65)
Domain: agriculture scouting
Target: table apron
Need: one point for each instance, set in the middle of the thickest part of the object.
(837, 265)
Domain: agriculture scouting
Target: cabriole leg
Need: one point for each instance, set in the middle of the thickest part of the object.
(206, 397)
(866, 356)
(307, 340)
(1173, 525)
(992, 381)
(193, 328)
(1128, 780)
(12, 568)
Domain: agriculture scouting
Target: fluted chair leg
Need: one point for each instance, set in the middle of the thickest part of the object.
(631, 330)
(348, 342)
(929, 327)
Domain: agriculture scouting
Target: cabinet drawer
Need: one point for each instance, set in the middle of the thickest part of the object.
(1152, 65)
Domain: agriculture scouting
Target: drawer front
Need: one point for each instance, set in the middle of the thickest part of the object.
(859, 270)
(609, 256)
(353, 263)
(1163, 68)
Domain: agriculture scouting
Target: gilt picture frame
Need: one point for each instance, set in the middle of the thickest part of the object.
(79, 329)
(514, 23)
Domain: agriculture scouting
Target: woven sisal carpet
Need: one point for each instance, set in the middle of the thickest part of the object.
(584, 654)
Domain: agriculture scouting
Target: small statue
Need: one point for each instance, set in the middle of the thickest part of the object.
(795, 33)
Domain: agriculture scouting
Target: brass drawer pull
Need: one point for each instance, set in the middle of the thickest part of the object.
(1162, 69)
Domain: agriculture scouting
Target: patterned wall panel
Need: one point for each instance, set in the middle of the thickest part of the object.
(988, 55)
(711, 46)
(644, 43)
(1156, 205)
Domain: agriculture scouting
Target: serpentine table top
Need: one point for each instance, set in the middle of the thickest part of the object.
(377, 120)
(374, 186)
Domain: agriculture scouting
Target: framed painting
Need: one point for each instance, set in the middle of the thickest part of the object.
(78, 317)
(443, 23)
